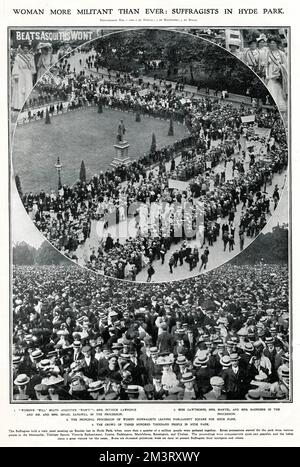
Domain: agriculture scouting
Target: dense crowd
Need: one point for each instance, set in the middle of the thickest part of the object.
(223, 335)
(216, 133)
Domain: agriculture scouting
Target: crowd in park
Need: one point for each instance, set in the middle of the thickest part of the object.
(221, 336)
(216, 136)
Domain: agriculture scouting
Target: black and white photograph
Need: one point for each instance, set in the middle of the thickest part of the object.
(147, 155)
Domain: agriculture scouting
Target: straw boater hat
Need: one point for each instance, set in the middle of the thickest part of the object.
(253, 394)
(44, 364)
(95, 386)
(181, 360)
(203, 357)
(269, 340)
(234, 357)
(53, 380)
(132, 389)
(249, 348)
(216, 381)
(76, 344)
(166, 360)
(153, 351)
(262, 37)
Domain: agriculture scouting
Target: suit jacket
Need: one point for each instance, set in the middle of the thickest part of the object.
(203, 376)
(211, 396)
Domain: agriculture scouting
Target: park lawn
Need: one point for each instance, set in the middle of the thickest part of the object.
(81, 135)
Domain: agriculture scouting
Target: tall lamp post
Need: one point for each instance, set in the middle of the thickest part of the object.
(58, 167)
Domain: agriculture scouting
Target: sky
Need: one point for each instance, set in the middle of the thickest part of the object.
(23, 229)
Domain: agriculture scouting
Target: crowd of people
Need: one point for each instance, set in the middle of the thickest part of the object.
(216, 134)
(67, 217)
(221, 336)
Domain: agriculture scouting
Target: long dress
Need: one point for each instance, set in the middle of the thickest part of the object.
(252, 59)
(22, 79)
(276, 78)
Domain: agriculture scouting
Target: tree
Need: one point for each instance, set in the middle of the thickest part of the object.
(82, 174)
(138, 116)
(100, 107)
(47, 254)
(23, 254)
(47, 119)
(153, 144)
(18, 185)
(171, 128)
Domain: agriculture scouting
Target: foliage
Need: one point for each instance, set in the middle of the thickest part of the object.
(271, 247)
(171, 128)
(47, 118)
(182, 56)
(82, 173)
(153, 144)
(47, 254)
(23, 254)
(18, 185)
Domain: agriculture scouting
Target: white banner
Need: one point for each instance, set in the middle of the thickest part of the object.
(178, 185)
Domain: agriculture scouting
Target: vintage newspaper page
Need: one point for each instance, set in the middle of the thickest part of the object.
(149, 169)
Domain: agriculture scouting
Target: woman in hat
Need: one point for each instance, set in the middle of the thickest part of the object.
(22, 76)
(280, 389)
(276, 74)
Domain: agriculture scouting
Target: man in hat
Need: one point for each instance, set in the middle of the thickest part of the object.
(217, 392)
(190, 390)
(263, 54)
(96, 390)
(168, 378)
(78, 389)
(235, 379)
(165, 340)
(203, 373)
(45, 60)
(135, 392)
(90, 364)
(281, 388)
(77, 354)
(151, 363)
(42, 392)
(159, 392)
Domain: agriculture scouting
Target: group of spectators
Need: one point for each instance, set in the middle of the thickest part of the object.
(222, 335)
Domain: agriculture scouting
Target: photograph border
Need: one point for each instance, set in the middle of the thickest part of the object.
(289, 206)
